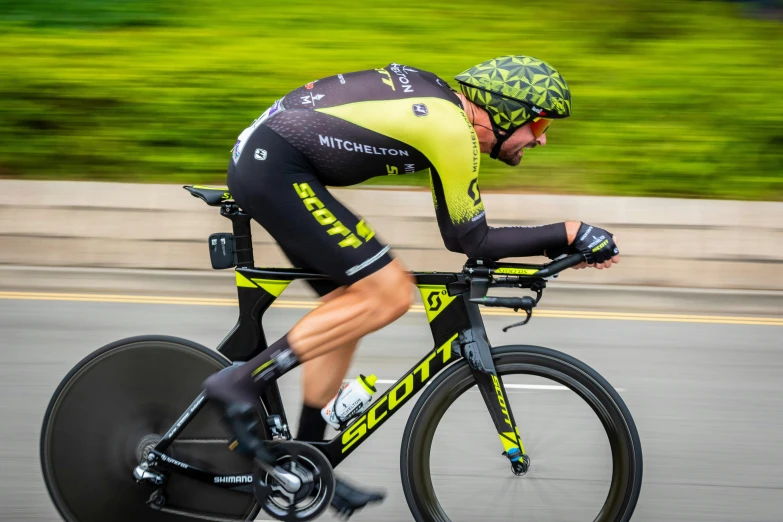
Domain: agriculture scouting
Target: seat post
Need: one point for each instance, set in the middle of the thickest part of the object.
(243, 238)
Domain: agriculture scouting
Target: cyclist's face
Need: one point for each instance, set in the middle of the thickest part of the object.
(513, 148)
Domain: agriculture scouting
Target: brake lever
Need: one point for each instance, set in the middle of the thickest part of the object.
(529, 314)
(538, 288)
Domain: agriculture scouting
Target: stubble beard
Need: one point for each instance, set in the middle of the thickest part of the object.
(509, 159)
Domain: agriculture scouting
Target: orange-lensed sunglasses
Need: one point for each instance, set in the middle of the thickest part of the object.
(539, 126)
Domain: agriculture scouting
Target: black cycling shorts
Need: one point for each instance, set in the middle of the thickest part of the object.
(275, 184)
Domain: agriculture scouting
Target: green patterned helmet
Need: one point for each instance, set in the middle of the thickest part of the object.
(514, 90)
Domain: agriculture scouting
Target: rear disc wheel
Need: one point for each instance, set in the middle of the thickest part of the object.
(107, 414)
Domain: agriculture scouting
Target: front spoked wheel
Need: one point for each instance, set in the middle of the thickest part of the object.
(584, 450)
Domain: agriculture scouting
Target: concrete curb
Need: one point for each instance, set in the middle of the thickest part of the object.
(664, 242)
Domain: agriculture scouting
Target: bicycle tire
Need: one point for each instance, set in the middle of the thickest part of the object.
(534, 360)
(98, 419)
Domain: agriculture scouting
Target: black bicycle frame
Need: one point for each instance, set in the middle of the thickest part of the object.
(457, 330)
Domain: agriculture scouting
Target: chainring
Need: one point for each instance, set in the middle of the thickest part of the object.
(317, 483)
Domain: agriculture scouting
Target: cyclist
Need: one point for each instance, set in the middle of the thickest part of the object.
(347, 128)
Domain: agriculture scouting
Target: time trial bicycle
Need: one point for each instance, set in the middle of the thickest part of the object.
(129, 437)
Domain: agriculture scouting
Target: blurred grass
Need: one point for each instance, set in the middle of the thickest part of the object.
(671, 98)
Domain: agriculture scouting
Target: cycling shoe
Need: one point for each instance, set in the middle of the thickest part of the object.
(349, 498)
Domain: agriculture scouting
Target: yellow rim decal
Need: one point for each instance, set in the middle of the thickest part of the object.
(273, 286)
(244, 281)
(517, 271)
(261, 368)
(436, 298)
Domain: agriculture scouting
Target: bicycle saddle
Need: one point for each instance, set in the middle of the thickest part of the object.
(212, 196)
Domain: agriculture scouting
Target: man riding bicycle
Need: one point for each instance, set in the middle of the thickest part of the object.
(345, 129)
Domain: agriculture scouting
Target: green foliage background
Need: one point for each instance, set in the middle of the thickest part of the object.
(671, 98)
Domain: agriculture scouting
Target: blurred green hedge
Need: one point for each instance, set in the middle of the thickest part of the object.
(671, 98)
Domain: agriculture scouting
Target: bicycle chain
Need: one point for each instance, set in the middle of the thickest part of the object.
(202, 516)
(202, 441)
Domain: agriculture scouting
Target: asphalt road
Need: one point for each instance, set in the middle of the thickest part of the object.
(707, 399)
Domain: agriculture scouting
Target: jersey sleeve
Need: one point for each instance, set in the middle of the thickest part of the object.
(481, 240)
(499, 243)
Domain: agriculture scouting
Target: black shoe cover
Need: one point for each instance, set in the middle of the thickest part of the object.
(243, 420)
(348, 498)
(240, 406)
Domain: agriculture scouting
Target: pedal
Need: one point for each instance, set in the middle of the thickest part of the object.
(348, 499)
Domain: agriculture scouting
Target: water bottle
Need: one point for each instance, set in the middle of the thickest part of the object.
(351, 401)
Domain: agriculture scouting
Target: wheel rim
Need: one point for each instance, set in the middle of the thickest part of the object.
(110, 411)
(419, 460)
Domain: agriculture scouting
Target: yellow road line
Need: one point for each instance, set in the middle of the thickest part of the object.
(109, 298)
(309, 305)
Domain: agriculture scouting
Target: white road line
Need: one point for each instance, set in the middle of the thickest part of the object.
(547, 387)
(535, 386)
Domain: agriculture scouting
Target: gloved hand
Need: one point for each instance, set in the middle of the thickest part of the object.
(595, 243)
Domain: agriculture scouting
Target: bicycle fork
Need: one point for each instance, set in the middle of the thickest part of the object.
(476, 350)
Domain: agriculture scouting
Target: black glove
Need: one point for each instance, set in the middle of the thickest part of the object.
(595, 243)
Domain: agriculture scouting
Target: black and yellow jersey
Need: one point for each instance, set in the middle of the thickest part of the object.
(392, 121)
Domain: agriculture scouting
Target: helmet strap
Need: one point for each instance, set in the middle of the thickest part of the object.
(499, 138)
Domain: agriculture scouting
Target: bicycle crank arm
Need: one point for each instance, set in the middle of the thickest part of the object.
(289, 481)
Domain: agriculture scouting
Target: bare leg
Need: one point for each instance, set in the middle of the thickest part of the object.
(322, 376)
(363, 307)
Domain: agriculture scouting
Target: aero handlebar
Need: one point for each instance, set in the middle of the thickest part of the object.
(561, 264)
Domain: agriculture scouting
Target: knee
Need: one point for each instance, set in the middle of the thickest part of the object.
(390, 291)
(399, 298)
